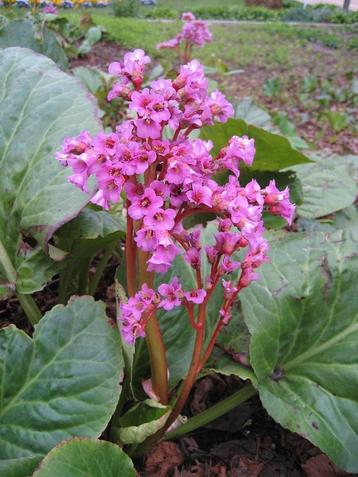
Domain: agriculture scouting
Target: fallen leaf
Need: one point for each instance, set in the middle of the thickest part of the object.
(163, 459)
(320, 466)
(248, 468)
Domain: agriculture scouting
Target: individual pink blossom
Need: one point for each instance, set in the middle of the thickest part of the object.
(192, 256)
(220, 107)
(229, 289)
(226, 242)
(278, 202)
(162, 258)
(238, 149)
(200, 194)
(160, 219)
(171, 293)
(228, 266)
(195, 296)
(145, 204)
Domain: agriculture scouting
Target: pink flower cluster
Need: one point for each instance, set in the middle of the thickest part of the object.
(167, 180)
(50, 10)
(194, 33)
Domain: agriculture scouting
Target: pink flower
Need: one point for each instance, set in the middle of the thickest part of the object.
(195, 296)
(192, 256)
(148, 128)
(162, 258)
(166, 180)
(134, 314)
(50, 9)
(228, 266)
(160, 219)
(134, 63)
(278, 202)
(229, 288)
(225, 316)
(200, 194)
(188, 17)
(172, 293)
(172, 43)
(239, 148)
(226, 242)
(145, 204)
(220, 108)
(146, 239)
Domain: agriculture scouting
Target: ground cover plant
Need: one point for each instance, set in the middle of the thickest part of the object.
(189, 243)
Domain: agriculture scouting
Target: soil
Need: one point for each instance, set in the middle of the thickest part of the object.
(101, 55)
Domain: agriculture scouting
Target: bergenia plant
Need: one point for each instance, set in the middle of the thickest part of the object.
(194, 33)
(164, 176)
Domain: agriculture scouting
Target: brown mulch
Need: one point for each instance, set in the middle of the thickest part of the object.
(101, 55)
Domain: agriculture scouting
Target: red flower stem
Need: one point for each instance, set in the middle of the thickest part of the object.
(130, 250)
(176, 134)
(187, 212)
(211, 344)
(190, 310)
(193, 370)
(154, 339)
(218, 328)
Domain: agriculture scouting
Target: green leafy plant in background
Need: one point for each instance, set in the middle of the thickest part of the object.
(125, 8)
(272, 87)
(77, 377)
(54, 36)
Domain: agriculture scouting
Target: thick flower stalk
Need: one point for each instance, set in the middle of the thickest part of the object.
(167, 176)
(194, 33)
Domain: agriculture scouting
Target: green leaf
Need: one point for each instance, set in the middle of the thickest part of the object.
(142, 420)
(337, 120)
(3, 22)
(86, 458)
(272, 87)
(35, 196)
(90, 77)
(82, 238)
(231, 355)
(273, 152)
(93, 35)
(346, 218)
(327, 186)
(23, 33)
(63, 382)
(303, 320)
(248, 110)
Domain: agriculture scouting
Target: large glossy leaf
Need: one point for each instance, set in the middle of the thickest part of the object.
(86, 458)
(328, 185)
(273, 152)
(39, 106)
(63, 382)
(303, 318)
(25, 34)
